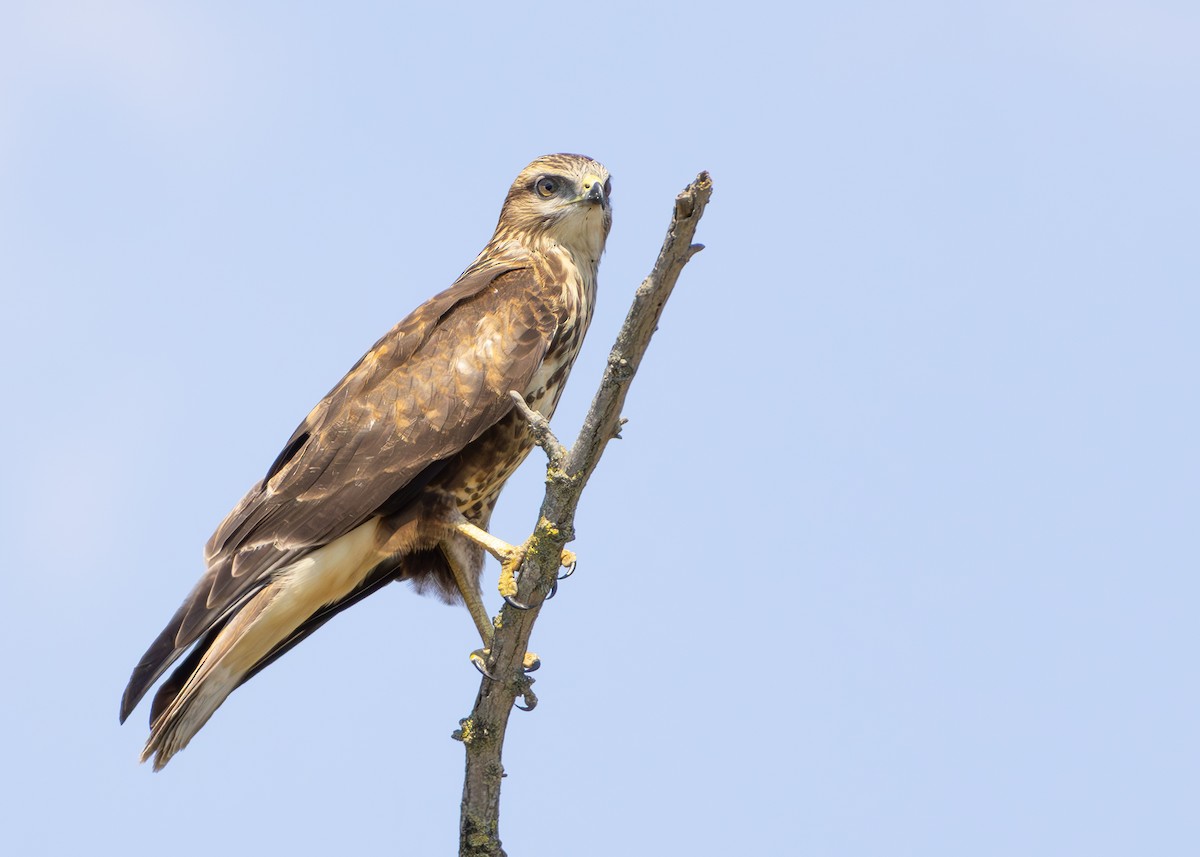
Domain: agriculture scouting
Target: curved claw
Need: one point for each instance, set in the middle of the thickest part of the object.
(514, 603)
(570, 569)
(530, 697)
(532, 663)
(479, 661)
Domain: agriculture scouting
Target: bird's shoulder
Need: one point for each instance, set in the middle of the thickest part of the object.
(428, 387)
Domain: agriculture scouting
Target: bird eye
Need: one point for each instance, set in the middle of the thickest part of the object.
(546, 186)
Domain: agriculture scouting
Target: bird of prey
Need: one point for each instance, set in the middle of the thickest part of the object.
(394, 474)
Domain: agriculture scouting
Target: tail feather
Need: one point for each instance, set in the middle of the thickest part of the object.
(178, 715)
(193, 621)
(297, 599)
(190, 710)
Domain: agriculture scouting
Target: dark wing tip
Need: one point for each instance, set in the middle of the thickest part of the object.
(134, 691)
(151, 666)
(161, 654)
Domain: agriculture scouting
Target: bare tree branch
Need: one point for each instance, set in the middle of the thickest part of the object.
(568, 472)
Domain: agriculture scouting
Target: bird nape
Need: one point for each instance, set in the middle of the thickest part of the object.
(394, 474)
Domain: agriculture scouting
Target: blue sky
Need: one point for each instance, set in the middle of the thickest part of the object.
(898, 554)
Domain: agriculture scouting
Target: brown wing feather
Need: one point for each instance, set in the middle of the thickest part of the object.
(433, 384)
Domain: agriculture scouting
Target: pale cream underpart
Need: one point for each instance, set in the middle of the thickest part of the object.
(326, 575)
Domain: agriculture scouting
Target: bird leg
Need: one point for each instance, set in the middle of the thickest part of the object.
(510, 557)
(468, 587)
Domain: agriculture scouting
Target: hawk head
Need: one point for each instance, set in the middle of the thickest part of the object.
(559, 199)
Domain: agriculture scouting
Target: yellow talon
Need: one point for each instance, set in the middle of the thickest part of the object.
(529, 663)
(510, 566)
(508, 574)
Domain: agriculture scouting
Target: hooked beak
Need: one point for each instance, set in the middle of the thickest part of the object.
(593, 190)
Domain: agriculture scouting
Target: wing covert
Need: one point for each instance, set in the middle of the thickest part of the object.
(429, 387)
